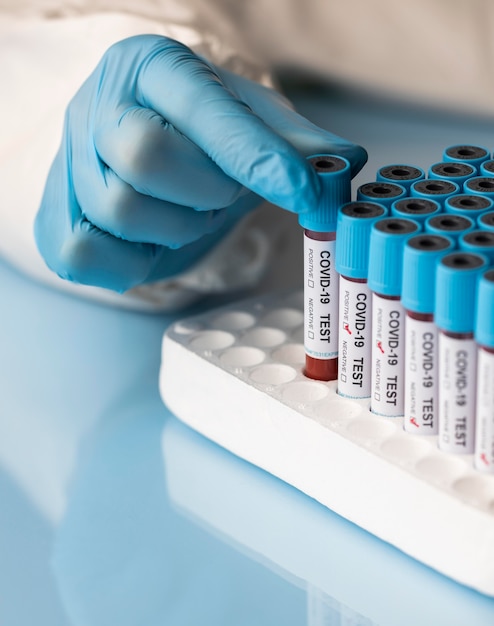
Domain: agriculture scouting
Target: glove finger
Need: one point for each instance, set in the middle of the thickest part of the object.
(186, 92)
(75, 250)
(148, 153)
(78, 251)
(118, 209)
(279, 114)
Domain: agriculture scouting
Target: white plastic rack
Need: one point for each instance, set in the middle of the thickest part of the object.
(235, 375)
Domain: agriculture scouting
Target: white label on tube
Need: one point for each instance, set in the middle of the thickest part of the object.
(457, 382)
(421, 399)
(354, 339)
(320, 299)
(388, 350)
(484, 425)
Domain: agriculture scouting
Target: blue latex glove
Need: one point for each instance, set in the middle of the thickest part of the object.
(161, 153)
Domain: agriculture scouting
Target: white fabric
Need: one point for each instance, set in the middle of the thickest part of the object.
(438, 50)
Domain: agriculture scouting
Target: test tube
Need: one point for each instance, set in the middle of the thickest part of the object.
(321, 278)
(484, 336)
(479, 242)
(401, 174)
(420, 258)
(456, 290)
(388, 237)
(464, 153)
(456, 172)
(485, 221)
(480, 186)
(448, 225)
(355, 221)
(418, 209)
(467, 204)
(381, 192)
(437, 190)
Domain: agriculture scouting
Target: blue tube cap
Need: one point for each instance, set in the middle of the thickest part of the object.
(335, 177)
(473, 155)
(437, 190)
(485, 221)
(453, 171)
(418, 209)
(456, 290)
(487, 168)
(478, 242)
(355, 221)
(480, 186)
(420, 258)
(449, 225)
(388, 238)
(468, 204)
(401, 174)
(484, 319)
(381, 192)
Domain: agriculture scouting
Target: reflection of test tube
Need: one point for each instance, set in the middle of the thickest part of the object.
(383, 193)
(388, 237)
(321, 279)
(420, 258)
(484, 336)
(456, 172)
(456, 290)
(467, 204)
(403, 175)
(418, 209)
(449, 225)
(437, 190)
(323, 610)
(473, 155)
(355, 221)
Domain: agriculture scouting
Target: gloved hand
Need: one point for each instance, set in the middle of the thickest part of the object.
(161, 153)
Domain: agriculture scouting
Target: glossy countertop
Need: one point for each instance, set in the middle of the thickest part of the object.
(114, 513)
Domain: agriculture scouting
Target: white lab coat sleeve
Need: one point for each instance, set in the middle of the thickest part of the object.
(432, 51)
(44, 62)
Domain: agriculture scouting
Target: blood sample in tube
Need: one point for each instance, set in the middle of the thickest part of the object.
(388, 237)
(484, 336)
(320, 276)
(420, 258)
(355, 221)
(456, 292)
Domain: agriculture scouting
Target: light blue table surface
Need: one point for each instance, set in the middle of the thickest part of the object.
(113, 513)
